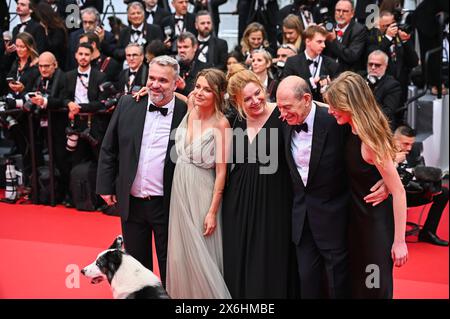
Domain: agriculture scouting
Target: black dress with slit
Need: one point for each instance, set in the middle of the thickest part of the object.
(258, 255)
(371, 231)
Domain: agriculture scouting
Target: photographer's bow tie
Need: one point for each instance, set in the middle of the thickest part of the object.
(312, 62)
(154, 108)
(138, 32)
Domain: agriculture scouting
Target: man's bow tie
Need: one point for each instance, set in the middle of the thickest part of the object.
(178, 19)
(154, 108)
(131, 73)
(301, 127)
(138, 32)
(22, 24)
(202, 42)
(83, 74)
(311, 62)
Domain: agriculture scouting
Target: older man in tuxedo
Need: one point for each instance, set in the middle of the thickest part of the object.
(135, 166)
(315, 149)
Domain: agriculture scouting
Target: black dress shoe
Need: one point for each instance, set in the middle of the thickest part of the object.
(8, 200)
(429, 237)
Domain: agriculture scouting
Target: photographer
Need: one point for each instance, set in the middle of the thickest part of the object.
(284, 52)
(133, 78)
(385, 87)
(404, 139)
(82, 94)
(346, 43)
(311, 65)
(396, 43)
(307, 11)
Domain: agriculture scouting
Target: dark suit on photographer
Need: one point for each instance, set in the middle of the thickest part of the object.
(402, 57)
(349, 52)
(176, 27)
(157, 15)
(53, 89)
(216, 52)
(306, 14)
(107, 65)
(98, 122)
(188, 72)
(145, 35)
(123, 83)
(388, 94)
(322, 66)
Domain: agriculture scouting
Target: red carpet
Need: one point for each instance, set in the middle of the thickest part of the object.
(44, 248)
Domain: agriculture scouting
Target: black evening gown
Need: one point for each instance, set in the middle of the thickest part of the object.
(371, 230)
(257, 248)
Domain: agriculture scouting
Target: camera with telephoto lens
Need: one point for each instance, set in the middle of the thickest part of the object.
(423, 180)
(110, 91)
(74, 134)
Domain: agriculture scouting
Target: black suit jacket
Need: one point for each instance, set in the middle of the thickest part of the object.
(217, 53)
(55, 92)
(119, 154)
(189, 73)
(350, 53)
(95, 96)
(37, 31)
(325, 198)
(189, 24)
(140, 78)
(158, 16)
(297, 65)
(151, 31)
(388, 94)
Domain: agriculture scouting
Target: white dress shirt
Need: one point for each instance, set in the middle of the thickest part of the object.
(155, 139)
(81, 88)
(301, 145)
(315, 71)
(150, 18)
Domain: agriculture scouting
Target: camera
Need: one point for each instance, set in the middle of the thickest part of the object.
(423, 180)
(327, 22)
(74, 134)
(403, 20)
(372, 81)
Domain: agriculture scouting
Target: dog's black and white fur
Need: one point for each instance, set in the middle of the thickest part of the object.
(128, 278)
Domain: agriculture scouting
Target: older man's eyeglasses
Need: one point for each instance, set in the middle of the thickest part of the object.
(374, 65)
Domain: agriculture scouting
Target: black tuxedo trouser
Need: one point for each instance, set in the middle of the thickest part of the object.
(323, 273)
(145, 217)
(437, 208)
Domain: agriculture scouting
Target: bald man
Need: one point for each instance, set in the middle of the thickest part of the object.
(48, 90)
(315, 151)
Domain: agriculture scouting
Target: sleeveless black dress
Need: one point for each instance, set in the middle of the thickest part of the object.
(258, 255)
(371, 231)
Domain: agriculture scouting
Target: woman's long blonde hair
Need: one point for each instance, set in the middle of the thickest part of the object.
(293, 22)
(217, 81)
(350, 93)
(253, 27)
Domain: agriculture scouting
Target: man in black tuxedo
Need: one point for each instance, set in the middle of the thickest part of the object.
(138, 31)
(315, 149)
(30, 25)
(140, 180)
(385, 88)
(136, 73)
(316, 69)
(347, 42)
(187, 46)
(177, 23)
(154, 13)
(82, 94)
(211, 49)
(90, 19)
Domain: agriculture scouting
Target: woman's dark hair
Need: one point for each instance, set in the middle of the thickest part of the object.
(45, 14)
(237, 55)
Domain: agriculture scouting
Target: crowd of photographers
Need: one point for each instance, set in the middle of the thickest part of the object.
(76, 75)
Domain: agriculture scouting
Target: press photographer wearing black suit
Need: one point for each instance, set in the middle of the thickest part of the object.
(138, 31)
(395, 42)
(139, 177)
(134, 77)
(177, 23)
(49, 89)
(347, 41)
(82, 94)
(211, 49)
(187, 46)
(316, 69)
(154, 13)
(385, 87)
(404, 139)
(307, 11)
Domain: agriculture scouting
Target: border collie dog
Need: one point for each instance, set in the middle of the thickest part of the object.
(128, 278)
